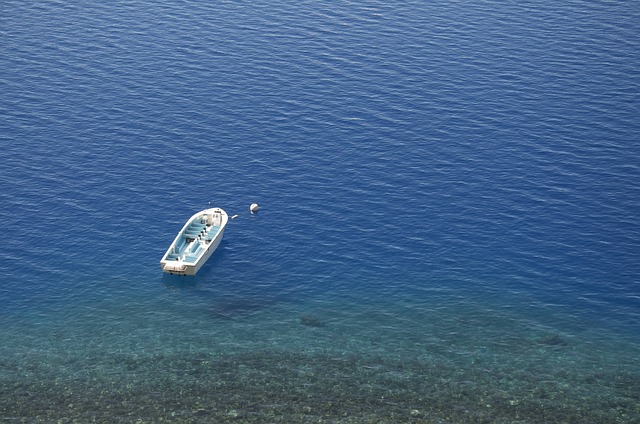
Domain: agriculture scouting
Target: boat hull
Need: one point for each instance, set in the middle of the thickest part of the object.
(195, 243)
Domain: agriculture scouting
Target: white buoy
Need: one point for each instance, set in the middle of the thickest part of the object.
(234, 216)
(254, 208)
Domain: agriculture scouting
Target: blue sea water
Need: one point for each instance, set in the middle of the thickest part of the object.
(449, 228)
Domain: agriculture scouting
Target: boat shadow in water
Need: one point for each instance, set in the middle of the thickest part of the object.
(247, 302)
(240, 307)
(222, 299)
(220, 303)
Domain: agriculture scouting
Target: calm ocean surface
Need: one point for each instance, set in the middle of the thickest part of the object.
(449, 229)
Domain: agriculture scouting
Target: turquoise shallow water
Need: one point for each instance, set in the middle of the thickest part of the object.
(448, 230)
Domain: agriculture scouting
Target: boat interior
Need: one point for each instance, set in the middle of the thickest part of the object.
(195, 237)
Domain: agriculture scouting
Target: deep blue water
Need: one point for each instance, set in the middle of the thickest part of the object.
(448, 183)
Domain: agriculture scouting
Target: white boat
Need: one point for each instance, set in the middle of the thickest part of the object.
(195, 243)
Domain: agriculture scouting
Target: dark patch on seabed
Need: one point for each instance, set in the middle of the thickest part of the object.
(280, 387)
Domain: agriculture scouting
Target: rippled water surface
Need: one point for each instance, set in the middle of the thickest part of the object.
(448, 233)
